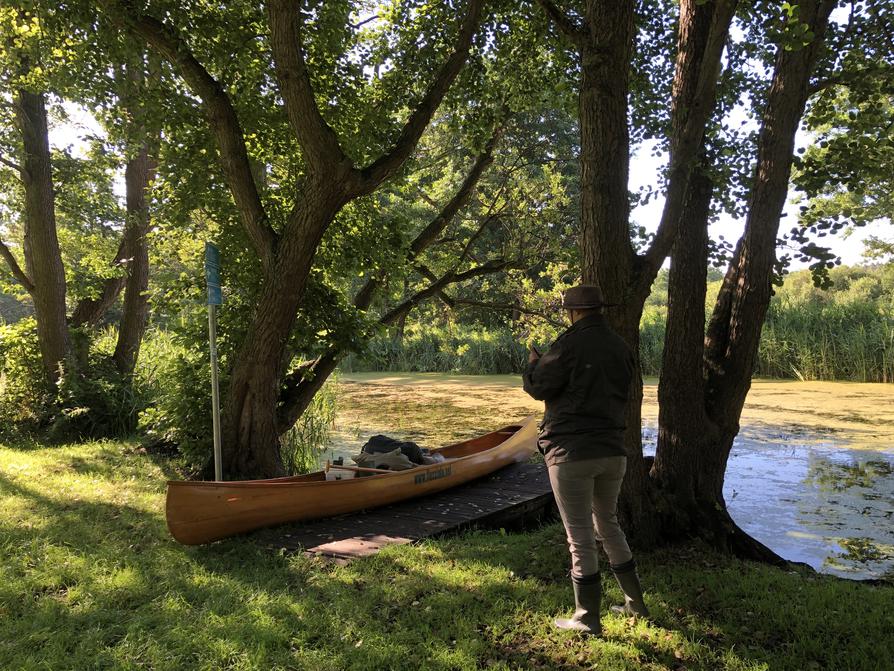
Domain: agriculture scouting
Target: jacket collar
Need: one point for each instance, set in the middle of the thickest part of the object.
(587, 322)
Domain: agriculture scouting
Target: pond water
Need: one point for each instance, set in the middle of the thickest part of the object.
(811, 474)
(813, 497)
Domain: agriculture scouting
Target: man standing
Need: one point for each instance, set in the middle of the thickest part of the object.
(585, 379)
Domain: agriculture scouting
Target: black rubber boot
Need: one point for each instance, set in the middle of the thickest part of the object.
(587, 599)
(628, 580)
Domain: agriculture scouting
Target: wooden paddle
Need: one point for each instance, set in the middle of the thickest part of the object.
(359, 469)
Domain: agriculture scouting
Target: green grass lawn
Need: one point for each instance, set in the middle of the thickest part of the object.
(90, 579)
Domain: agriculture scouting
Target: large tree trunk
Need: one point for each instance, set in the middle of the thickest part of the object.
(689, 470)
(250, 429)
(703, 387)
(43, 262)
(607, 256)
(137, 176)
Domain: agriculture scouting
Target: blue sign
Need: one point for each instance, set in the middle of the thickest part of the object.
(212, 274)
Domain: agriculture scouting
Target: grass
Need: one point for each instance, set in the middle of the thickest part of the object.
(90, 579)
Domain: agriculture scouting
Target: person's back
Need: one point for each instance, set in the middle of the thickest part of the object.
(585, 380)
(586, 415)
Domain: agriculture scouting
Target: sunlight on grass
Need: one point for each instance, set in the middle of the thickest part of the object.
(90, 578)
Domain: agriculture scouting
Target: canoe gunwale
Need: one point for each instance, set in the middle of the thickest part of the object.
(302, 480)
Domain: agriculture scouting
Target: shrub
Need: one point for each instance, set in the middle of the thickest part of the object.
(25, 393)
(177, 379)
(303, 444)
(90, 399)
(93, 399)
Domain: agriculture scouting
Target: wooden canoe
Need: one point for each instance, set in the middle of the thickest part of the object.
(202, 511)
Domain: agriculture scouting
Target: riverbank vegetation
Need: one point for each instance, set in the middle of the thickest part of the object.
(91, 579)
(843, 332)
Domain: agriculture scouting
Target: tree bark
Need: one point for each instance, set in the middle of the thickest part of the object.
(705, 379)
(43, 261)
(250, 443)
(138, 174)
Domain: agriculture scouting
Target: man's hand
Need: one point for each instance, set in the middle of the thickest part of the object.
(533, 355)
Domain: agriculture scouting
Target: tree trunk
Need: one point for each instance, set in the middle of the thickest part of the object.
(137, 176)
(606, 253)
(43, 261)
(250, 429)
(703, 387)
(607, 256)
(689, 469)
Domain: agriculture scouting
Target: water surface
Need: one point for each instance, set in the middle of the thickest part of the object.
(811, 474)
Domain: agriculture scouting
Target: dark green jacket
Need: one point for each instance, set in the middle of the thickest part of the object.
(584, 379)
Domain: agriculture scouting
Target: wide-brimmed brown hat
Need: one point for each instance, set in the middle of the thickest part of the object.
(584, 297)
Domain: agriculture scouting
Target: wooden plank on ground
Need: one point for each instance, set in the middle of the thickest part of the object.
(508, 494)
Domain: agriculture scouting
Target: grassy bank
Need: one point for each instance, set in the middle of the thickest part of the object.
(90, 579)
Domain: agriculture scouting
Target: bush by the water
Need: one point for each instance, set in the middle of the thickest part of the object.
(452, 349)
(843, 334)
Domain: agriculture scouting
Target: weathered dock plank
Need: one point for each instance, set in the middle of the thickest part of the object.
(509, 496)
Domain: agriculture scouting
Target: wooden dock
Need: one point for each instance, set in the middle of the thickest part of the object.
(513, 496)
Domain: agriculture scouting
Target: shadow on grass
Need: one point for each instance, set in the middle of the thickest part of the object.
(100, 584)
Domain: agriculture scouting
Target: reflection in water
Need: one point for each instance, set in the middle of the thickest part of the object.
(813, 498)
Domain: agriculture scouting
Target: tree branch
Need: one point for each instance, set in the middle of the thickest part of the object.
(317, 139)
(439, 223)
(434, 228)
(221, 117)
(17, 271)
(564, 23)
(15, 166)
(697, 108)
(91, 310)
(508, 307)
(451, 277)
(388, 164)
(302, 383)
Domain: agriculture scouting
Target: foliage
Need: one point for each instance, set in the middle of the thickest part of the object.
(24, 392)
(451, 349)
(91, 578)
(178, 378)
(303, 444)
(845, 174)
(101, 404)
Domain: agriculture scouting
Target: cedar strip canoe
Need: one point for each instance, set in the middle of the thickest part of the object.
(204, 511)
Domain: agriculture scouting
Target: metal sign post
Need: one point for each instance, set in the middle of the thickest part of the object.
(215, 298)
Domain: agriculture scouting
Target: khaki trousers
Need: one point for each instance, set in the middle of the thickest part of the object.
(586, 493)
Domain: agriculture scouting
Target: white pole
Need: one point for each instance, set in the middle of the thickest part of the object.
(215, 392)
